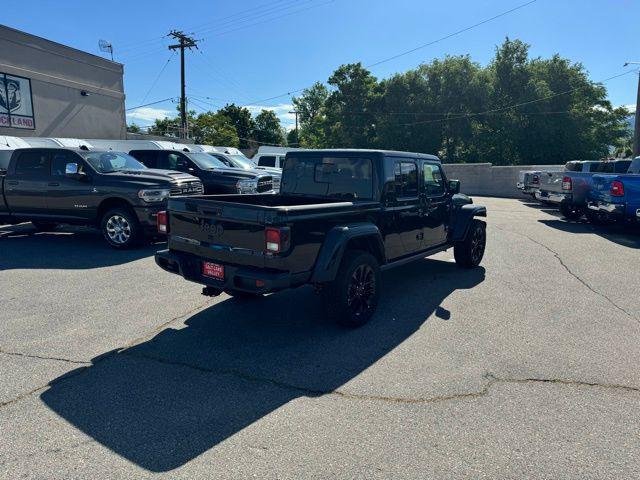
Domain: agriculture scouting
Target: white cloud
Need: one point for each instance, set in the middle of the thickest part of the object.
(630, 108)
(282, 110)
(148, 114)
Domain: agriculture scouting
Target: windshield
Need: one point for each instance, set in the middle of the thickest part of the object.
(205, 161)
(340, 177)
(242, 161)
(107, 162)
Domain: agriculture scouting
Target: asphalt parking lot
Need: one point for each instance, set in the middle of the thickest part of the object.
(525, 368)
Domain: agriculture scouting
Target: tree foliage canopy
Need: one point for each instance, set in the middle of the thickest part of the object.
(516, 110)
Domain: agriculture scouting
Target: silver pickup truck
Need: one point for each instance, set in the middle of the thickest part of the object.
(569, 189)
(529, 180)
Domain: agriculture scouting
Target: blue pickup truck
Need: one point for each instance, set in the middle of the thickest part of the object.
(616, 197)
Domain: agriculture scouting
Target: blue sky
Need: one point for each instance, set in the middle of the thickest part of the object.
(257, 49)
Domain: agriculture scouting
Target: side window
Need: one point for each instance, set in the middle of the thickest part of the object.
(280, 161)
(406, 182)
(267, 161)
(148, 159)
(35, 164)
(59, 162)
(224, 160)
(433, 181)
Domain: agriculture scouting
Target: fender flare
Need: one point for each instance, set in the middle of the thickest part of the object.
(463, 218)
(334, 246)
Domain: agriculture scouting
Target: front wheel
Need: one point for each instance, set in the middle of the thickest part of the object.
(571, 212)
(352, 298)
(121, 229)
(469, 252)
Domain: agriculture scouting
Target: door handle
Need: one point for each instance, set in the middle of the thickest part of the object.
(53, 184)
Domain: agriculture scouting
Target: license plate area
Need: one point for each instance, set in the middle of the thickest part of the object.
(213, 270)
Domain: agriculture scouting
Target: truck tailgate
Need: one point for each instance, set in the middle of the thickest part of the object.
(218, 230)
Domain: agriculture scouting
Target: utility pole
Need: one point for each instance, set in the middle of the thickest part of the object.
(296, 112)
(184, 41)
(636, 130)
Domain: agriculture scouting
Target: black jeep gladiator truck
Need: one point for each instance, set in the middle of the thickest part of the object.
(341, 217)
(109, 190)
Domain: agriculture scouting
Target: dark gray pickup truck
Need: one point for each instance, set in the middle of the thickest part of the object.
(341, 217)
(109, 190)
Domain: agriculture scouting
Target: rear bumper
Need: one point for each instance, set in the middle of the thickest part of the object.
(608, 208)
(245, 279)
(553, 197)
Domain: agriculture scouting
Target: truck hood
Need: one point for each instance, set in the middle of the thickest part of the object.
(235, 173)
(151, 175)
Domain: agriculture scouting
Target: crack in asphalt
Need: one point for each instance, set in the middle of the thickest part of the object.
(88, 364)
(572, 273)
(491, 381)
(41, 357)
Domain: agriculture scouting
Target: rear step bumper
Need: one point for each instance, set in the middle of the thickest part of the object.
(236, 278)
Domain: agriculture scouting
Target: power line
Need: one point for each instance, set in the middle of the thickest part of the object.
(458, 32)
(164, 67)
(438, 40)
(152, 103)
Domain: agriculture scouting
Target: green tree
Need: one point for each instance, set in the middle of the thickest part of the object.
(292, 138)
(267, 128)
(211, 128)
(240, 118)
(133, 128)
(350, 119)
(311, 105)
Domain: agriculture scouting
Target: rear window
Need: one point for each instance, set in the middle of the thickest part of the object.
(622, 166)
(267, 161)
(347, 178)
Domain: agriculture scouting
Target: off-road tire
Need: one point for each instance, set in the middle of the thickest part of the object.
(469, 252)
(352, 297)
(121, 229)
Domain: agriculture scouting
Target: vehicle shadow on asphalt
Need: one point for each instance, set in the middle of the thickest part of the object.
(163, 402)
(620, 234)
(23, 247)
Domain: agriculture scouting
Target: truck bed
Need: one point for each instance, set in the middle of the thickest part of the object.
(231, 228)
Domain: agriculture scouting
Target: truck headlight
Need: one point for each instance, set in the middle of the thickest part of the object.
(155, 195)
(247, 186)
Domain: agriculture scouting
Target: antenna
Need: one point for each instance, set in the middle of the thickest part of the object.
(106, 47)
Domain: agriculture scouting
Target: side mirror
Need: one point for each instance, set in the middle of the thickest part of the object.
(454, 186)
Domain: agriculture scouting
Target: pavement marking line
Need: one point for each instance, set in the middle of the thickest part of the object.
(574, 275)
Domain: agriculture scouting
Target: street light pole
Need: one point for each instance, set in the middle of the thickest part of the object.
(636, 129)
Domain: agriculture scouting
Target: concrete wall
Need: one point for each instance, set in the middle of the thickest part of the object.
(58, 76)
(485, 179)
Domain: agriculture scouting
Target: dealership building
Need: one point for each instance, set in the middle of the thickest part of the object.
(51, 90)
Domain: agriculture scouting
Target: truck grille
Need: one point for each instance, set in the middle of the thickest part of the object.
(265, 184)
(187, 188)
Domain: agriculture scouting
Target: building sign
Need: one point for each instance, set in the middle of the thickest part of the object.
(16, 102)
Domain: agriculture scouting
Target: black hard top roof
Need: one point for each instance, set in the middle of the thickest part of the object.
(389, 153)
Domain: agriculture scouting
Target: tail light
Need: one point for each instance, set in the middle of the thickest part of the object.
(566, 183)
(162, 222)
(617, 188)
(536, 179)
(276, 239)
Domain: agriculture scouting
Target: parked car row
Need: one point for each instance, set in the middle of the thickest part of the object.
(117, 186)
(604, 191)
